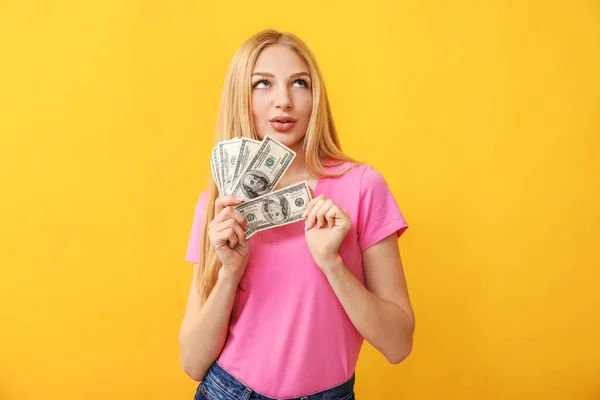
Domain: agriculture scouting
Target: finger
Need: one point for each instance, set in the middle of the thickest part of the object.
(240, 218)
(229, 238)
(233, 224)
(230, 212)
(240, 233)
(220, 239)
(225, 201)
(311, 204)
(245, 247)
(331, 215)
(322, 211)
(311, 218)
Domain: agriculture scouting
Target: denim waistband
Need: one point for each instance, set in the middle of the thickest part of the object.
(221, 385)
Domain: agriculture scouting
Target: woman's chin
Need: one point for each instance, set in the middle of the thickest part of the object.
(289, 139)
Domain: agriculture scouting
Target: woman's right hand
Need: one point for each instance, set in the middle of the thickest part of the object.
(227, 235)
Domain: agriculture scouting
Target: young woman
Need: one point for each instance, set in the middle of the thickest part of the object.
(284, 314)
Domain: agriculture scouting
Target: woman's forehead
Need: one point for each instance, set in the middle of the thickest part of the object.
(279, 59)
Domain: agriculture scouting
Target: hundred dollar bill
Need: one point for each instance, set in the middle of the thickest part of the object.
(215, 167)
(281, 207)
(248, 149)
(228, 153)
(264, 171)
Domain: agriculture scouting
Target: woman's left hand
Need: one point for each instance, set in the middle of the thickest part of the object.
(326, 226)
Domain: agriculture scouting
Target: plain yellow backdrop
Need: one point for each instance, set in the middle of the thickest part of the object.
(482, 115)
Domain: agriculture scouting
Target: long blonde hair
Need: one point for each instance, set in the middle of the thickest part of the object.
(321, 143)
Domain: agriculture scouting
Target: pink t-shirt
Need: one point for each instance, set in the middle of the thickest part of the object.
(289, 335)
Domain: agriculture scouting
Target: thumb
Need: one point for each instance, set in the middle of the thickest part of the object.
(247, 245)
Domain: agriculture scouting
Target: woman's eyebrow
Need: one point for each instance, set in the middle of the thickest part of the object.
(300, 74)
(294, 75)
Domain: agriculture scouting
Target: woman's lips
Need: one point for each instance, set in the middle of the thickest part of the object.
(282, 126)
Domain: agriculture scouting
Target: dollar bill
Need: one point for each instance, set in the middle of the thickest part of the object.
(228, 154)
(215, 167)
(281, 207)
(248, 149)
(265, 170)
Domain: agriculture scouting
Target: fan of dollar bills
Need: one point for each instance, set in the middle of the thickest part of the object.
(251, 169)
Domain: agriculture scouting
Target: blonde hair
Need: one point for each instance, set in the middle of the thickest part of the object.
(321, 144)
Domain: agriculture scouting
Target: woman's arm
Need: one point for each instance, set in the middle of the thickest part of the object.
(204, 328)
(381, 311)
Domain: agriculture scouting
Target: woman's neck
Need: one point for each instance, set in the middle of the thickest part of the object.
(297, 171)
(298, 166)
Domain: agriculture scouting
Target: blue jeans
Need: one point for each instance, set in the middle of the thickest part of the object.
(219, 384)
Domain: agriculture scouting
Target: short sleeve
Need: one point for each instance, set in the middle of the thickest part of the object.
(378, 213)
(193, 250)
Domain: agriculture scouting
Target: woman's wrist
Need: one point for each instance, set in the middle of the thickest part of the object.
(331, 263)
(228, 277)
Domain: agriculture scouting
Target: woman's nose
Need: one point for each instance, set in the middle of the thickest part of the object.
(283, 99)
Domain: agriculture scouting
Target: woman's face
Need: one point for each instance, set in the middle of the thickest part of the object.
(281, 87)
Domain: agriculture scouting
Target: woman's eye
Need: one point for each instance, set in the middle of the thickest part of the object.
(265, 83)
(257, 84)
(302, 81)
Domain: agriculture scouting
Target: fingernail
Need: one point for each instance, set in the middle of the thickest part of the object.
(306, 226)
(239, 198)
(304, 214)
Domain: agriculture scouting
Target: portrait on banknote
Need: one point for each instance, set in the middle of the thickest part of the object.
(276, 209)
(254, 183)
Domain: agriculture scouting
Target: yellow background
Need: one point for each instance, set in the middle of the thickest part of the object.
(482, 115)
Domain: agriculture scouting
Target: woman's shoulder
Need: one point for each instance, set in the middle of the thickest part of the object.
(357, 181)
(361, 173)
